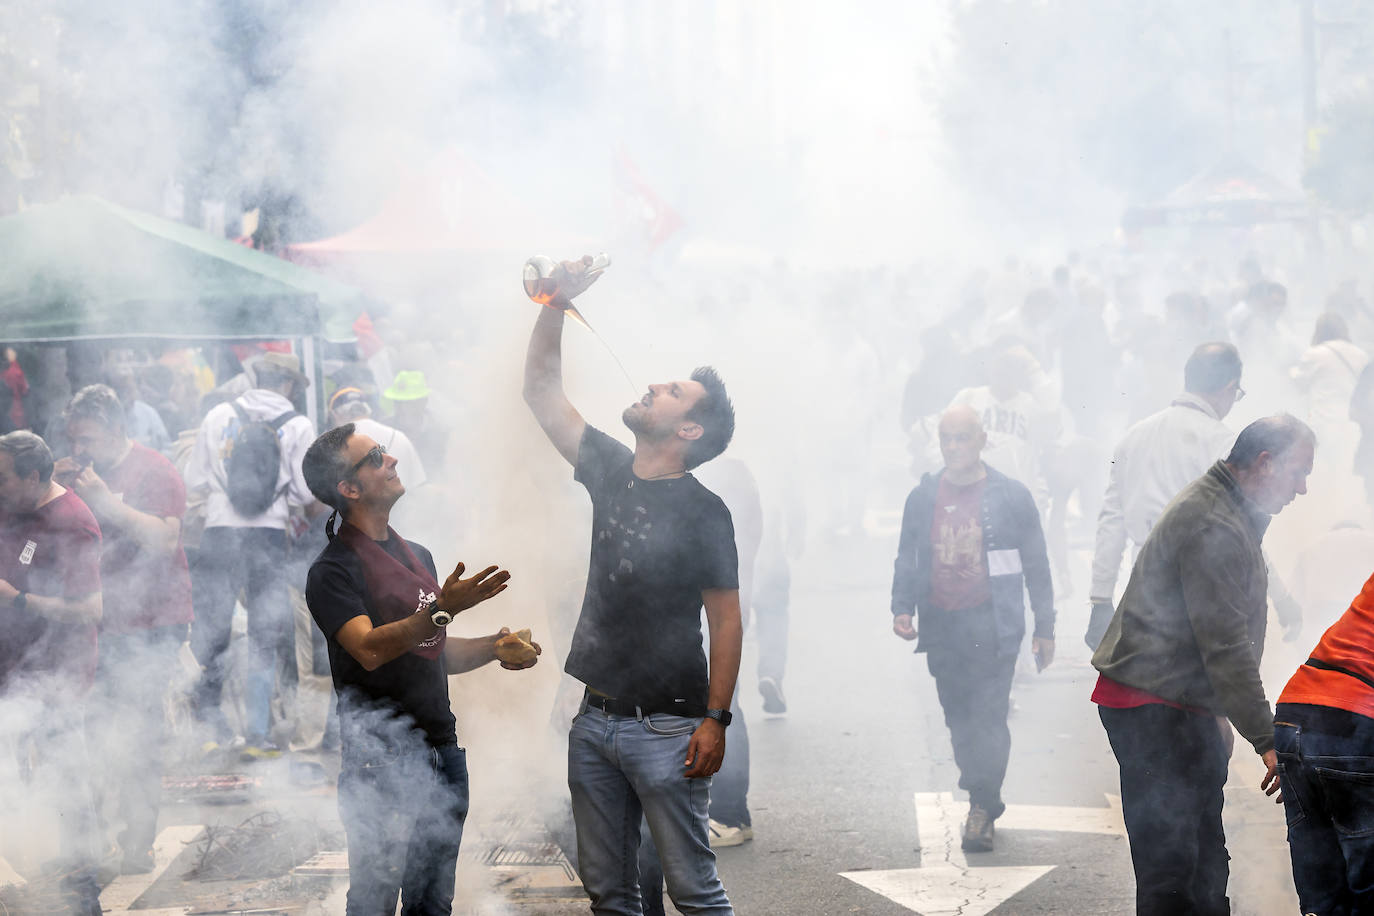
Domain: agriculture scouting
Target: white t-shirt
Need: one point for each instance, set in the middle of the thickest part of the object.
(1019, 430)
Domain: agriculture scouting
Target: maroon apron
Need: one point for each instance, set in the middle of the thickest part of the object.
(395, 590)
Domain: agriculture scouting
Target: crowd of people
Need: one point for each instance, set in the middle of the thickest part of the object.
(165, 495)
(142, 534)
(132, 533)
(1015, 464)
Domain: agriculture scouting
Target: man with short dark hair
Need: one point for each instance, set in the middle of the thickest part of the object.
(350, 405)
(403, 779)
(1181, 656)
(653, 712)
(971, 543)
(1155, 459)
(49, 608)
(139, 499)
(244, 553)
(51, 577)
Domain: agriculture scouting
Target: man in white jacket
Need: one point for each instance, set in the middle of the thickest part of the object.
(241, 552)
(1158, 457)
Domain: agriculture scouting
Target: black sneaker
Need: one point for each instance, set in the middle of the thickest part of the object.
(977, 830)
(773, 700)
(137, 863)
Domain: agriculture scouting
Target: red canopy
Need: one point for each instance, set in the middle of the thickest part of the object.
(451, 205)
(444, 226)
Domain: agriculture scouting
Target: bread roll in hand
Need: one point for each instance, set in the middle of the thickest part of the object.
(517, 649)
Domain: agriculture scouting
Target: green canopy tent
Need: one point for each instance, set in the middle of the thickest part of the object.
(84, 268)
(87, 269)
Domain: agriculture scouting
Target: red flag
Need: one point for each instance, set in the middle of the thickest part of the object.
(643, 206)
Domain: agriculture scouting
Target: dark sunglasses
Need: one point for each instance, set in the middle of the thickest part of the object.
(376, 457)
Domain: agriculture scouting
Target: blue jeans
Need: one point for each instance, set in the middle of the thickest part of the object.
(231, 560)
(622, 769)
(729, 806)
(1328, 796)
(771, 614)
(403, 812)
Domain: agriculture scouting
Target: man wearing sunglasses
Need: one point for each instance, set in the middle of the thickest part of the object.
(403, 780)
(651, 730)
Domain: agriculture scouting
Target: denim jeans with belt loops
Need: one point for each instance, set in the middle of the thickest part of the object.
(1327, 777)
(622, 769)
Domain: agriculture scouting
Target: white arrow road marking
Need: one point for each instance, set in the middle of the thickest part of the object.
(1066, 820)
(945, 885)
(120, 893)
(939, 828)
(946, 890)
(8, 875)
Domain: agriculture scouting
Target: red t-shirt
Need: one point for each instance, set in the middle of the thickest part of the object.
(1116, 695)
(53, 551)
(142, 591)
(959, 570)
(19, 387)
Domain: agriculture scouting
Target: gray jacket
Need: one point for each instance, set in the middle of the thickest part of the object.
(1190, 626)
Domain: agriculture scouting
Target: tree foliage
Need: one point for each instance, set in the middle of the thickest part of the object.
(1059, 105)
(1340, 170)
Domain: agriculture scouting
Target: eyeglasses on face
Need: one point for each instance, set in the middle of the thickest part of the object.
(376, 457)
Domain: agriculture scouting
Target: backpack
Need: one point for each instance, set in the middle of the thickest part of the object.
(254, 463)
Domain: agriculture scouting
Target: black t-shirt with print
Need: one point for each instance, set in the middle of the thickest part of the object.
(376, 708)
(656, 544)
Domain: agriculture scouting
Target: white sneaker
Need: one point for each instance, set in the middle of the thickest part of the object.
(774, 703)
(722, 836)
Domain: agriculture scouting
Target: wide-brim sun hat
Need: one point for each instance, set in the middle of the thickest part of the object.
(285, 363)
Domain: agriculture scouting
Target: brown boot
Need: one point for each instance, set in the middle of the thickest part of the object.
(977, 830)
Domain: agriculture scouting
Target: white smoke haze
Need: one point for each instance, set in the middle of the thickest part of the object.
(29, 803)
(793, 192)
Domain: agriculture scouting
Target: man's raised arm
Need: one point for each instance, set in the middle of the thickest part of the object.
(544, 385)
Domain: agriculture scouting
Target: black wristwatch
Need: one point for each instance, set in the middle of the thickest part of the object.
(21, 601)
(720, 715)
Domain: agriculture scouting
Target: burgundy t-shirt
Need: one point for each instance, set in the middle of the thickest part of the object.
(959, 571)
(142, 590)
(53, 551)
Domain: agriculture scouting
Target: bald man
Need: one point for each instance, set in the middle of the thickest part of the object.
(971, 540)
